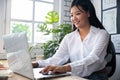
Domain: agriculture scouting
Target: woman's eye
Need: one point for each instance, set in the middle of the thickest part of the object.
(75, 14)
(71, 15)
(78, 13)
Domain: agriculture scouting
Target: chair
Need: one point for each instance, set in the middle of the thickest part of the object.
(111, 59)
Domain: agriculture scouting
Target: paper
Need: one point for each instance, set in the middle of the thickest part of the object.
(109, 20)
(5, 73)
(116, 41)
(3, 56)
(109, 3)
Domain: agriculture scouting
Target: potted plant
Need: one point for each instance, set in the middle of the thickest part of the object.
(59, 31)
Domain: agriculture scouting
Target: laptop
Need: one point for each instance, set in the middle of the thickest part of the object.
(19, 59)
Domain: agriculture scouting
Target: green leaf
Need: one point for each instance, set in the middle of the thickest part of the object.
(59, 32)
(52, 17)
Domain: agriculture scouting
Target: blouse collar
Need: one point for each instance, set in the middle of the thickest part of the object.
(93, 29)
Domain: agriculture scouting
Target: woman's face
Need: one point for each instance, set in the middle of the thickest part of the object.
(79, 17)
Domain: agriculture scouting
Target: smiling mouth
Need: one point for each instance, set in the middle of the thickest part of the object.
(76, 23)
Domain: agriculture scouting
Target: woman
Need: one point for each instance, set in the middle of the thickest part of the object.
(85, 46)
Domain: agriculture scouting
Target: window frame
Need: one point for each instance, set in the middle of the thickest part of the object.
(8, 16)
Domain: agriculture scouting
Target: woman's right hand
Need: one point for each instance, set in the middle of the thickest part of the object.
(35, 64)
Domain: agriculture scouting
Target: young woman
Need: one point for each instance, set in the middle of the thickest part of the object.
(85, 47)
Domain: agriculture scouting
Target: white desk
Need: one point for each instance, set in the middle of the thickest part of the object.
(14, 76)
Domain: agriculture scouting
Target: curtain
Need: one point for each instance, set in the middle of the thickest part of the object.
(4, 20)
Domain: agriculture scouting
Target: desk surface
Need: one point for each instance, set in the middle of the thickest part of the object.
(13, 76)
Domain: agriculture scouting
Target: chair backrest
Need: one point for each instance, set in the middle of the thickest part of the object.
(111, 59)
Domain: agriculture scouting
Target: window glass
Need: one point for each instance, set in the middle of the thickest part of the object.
(20, 27)
(41, 9)
(25, 17)
(22, 9)
(39, 36)
(48, 0)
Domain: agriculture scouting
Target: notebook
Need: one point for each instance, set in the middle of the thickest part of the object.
(19, 59)
(3, 56)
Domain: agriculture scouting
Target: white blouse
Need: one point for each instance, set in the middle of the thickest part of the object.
(86, 56)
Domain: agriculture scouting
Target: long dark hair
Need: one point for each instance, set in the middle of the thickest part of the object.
(88, 7)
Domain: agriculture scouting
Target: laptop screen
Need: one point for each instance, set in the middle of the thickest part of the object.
(14, 42)
(19, 60)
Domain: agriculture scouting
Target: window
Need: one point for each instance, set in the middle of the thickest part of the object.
(27, 14)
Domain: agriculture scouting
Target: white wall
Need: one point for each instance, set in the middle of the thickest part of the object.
(2, 19)
(97, 5)
(61, 10)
